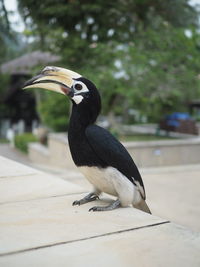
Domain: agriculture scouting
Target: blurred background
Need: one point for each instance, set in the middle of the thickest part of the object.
(143, 55)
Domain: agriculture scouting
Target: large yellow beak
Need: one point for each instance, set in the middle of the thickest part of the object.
(56, 79)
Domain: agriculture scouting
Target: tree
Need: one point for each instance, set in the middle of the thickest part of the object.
(102, 20)
(55, 112)
(11, 41)
(136, 52)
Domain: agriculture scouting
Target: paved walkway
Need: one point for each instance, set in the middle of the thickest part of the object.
(172, 192)
(12, 153)
(40, 227)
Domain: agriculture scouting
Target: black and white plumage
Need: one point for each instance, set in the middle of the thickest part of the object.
(102, 159)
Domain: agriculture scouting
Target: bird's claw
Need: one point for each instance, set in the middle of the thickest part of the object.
(95, 208)
(95, 197)
(84, 200)
(112, 206)
(76, 202)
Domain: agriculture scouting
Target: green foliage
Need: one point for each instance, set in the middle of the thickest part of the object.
(165, 71)
(54, 111)
(3, 141)
(9, 39)
(21, 141)
(99, 16)
(135, 51)
(5, 80)
(158, 73)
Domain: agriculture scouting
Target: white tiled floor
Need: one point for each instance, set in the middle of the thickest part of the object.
(40, 227)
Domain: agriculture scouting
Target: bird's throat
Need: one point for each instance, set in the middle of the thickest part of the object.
(82, 116)
(78, 143)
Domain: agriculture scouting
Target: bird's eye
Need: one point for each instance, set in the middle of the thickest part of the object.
(78, 86)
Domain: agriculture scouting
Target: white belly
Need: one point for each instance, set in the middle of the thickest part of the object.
(109, 180)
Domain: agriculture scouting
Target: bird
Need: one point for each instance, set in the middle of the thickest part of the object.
(99, 156)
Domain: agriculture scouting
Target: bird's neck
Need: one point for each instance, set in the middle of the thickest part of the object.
(81, 117)
(79, 147)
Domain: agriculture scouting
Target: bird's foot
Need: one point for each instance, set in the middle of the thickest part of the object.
(112, 206)
(90, 197)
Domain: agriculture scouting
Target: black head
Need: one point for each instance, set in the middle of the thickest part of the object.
(83, 93)
(86, 99)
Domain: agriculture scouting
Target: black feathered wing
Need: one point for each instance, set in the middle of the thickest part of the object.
(114, 154)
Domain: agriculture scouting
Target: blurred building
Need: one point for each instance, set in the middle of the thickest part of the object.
(22, 104)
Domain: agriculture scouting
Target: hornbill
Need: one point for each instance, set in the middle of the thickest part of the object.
(101, 158)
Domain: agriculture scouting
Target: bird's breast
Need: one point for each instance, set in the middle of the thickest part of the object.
(108, 180)
(100, 178)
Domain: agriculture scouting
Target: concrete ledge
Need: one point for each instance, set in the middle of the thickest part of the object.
(57, 153)
(38, 153)
(153, 246)
(177, 142)
(60, 137)
(165, 152)
(10, 168)
(145, 154)
(49, 231)
(57, 221)
(34, 186)
(43, 149)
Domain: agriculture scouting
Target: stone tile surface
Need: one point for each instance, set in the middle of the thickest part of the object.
(7, 151)
(40, 227)
(41, 222)
(174, 194)
(158, 246)
(34, 186)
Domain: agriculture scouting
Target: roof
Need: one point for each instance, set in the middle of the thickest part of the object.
(24, 64)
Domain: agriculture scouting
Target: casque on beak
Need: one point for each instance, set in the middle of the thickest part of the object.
(56, 79)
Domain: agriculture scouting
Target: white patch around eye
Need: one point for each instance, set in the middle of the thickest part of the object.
(77, 99)
(83, 90)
